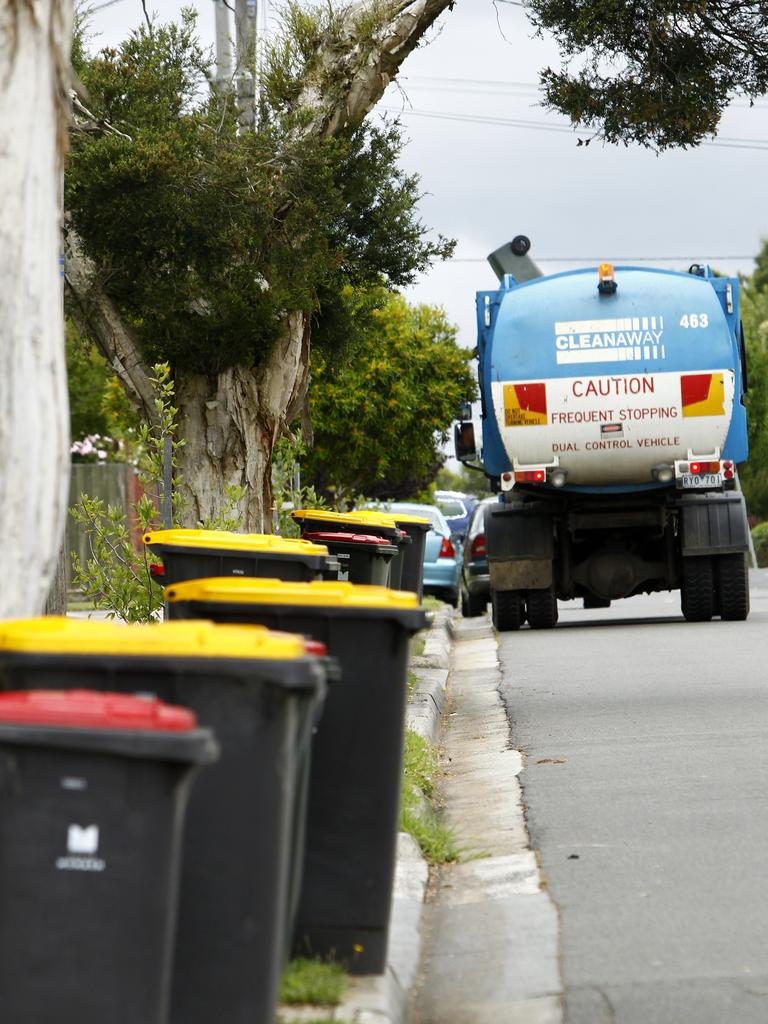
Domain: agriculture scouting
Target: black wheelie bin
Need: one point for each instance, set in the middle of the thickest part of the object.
(356, 775)
(93, 789)
(408, 567)
(194, 554)
(362, 557)
(260, 692)
(362, 522)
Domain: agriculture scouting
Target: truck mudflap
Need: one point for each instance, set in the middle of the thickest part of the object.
(713, 524)
(520, 543)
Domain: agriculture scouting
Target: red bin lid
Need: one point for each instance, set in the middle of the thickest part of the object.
(88, 709)
(326, 537)
(315, 647)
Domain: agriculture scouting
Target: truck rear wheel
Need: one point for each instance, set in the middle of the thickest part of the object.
(542, 608)
(506, 609)
(697, 597)
(732, 582)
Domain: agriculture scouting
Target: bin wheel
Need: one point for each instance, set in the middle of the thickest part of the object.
(590, 601)
(506, 609)
(732, 584)
(542, 608)
(472, 605)
(697, 594)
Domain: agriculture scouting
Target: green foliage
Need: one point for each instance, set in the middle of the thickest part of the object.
(313, 981)
(287, 489)
(660, 75)
(754, 311)
(760, 540)
(115, 575)
(380, 415)
(207, 234)
(418, 816)
(87, 373)
(464, 480)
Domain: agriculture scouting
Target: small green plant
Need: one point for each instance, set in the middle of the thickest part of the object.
(115, 575)
(315, 982)
(760, 539)
(418, 815)
(226, 520)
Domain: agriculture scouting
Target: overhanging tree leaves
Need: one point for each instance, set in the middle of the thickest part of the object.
(754, 309)
(380, 413)
(216, 249)
(660, 73)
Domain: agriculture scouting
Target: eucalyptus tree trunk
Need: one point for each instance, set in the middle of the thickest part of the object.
(231, 423)
(34, 442)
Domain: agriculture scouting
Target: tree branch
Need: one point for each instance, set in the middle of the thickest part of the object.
(360, 61)
(97, 317)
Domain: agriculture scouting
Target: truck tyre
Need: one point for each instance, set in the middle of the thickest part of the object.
(697, 597)
(542, 608)
(472, 605)
(506, 609)
(732, 583)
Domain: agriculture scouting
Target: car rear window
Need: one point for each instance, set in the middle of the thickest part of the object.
(451, 508)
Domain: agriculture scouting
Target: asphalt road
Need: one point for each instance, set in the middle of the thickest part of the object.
(646, 785)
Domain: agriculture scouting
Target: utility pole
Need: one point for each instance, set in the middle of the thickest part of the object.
(246, 12)
(223, 45)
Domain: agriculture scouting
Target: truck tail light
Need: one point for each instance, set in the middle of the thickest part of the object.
(697, 468)
(728, 470)
(531, 476)
(478, 549)
(447, 549)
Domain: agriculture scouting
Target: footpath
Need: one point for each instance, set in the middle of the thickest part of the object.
(473, 942)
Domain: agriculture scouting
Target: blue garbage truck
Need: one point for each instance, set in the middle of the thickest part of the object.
(613, 424)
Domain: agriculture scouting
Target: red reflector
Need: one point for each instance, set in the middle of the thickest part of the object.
(727, 464)
(531, 476)
(447, 549)
(704, 467)
(506, 477)
(478, 545)
(728, 474)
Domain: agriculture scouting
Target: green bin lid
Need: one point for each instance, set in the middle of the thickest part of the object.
(52, 634)
(223, 540)
(318, 593)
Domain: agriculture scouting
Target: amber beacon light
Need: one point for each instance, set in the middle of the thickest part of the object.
(606, 279)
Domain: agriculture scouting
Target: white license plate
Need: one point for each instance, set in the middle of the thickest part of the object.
(700, 480)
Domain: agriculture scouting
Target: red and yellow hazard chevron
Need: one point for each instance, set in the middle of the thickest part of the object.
(525, 405)
(703, 394)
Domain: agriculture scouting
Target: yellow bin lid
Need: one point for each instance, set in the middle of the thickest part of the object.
(318, 593)
(185, 639)
(225, 540)
(355, 519)
(395, 517)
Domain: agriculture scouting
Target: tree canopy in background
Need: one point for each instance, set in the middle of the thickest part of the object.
(658, 74)
(381, 412)
(754, 312)
(206, 234)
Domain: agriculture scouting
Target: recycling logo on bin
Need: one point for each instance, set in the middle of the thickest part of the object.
(82, 847)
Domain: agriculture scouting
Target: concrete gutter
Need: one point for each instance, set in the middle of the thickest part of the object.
(384, 998)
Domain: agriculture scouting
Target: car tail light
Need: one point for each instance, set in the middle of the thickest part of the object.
(697, 468)
(447, 549)
(531, 476)
(156, 571)
(478, 549)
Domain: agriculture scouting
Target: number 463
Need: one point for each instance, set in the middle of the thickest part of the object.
(694, 320)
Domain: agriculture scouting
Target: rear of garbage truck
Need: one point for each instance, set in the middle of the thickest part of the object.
(613, 424)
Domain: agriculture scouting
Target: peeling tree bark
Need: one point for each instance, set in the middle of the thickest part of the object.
(34, 441)
(231, 422)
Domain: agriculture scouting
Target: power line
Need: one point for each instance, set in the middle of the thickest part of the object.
(760, 145)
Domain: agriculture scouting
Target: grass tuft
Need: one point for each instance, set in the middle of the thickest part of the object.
(417, 815)
(313, 981)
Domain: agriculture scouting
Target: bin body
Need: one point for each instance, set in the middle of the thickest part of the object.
(354, 790)
(362, 558)
(196, 554)
(412, 574)
(240, 829)
(90, 832)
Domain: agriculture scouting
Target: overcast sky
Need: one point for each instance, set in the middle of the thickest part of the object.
(486, 180)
